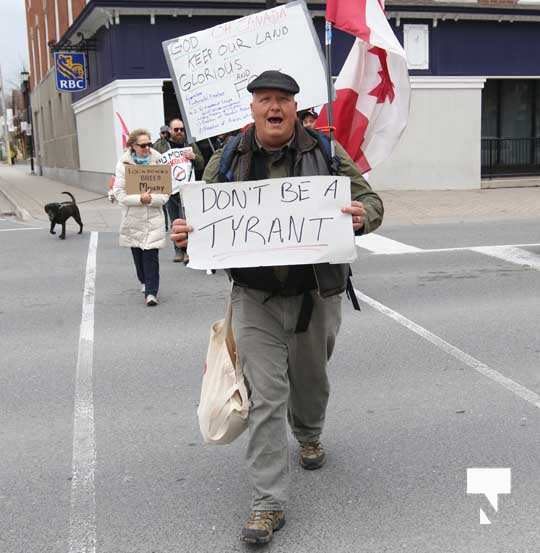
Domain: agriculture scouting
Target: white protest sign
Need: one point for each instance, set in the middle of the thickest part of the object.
(182, 170)
(269, 222)
(210, 69)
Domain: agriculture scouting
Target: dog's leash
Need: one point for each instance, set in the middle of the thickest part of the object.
(94, 199)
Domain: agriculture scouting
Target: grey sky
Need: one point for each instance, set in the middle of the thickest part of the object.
(13, 42)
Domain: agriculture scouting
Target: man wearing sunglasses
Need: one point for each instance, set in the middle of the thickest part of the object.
(177, 139)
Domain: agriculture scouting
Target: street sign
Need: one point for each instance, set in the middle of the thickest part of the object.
(71, 71)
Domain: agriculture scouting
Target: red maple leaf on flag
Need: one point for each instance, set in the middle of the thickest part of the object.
(385, 89)
(368, 130)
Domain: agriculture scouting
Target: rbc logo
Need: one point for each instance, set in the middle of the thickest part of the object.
(71, 72)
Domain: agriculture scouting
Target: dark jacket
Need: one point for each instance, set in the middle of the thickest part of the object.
(303, 156)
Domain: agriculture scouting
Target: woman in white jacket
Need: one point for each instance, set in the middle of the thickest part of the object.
(143, 224)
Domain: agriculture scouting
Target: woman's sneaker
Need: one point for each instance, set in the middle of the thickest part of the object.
(261, 526)
(151, 300)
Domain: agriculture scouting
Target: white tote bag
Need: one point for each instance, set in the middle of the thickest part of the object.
(224, 404)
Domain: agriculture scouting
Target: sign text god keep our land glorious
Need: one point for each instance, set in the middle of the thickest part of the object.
(211, 68)
(269, 222)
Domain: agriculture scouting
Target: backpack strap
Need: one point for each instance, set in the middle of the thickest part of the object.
(351, 294)
(324, 145)
(225, 172)
(333, 166)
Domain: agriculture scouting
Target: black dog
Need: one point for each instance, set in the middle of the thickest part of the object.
(60, 212)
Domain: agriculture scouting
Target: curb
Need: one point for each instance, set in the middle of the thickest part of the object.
(20, 212)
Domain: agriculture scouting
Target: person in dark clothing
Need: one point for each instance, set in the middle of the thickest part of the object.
(162, 143)
(285, 318)
(177, 139)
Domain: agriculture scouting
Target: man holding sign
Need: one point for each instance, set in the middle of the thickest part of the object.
(285, 318)
(184, 160)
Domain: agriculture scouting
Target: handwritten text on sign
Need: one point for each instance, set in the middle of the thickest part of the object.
(269, 222)
(148, 178)
(181, 167)
(211, 69)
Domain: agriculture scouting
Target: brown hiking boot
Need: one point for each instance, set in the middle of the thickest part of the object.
(312, 455)
(261, 525)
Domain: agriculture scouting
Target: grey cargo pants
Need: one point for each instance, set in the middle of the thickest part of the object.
(286, 377)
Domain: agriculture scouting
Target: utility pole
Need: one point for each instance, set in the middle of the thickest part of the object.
(4, 112)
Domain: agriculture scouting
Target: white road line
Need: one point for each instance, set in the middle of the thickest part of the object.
(511, 254)
(382, 245)
(482, 368)
(82, 537)
(361, 240)
(25, 228)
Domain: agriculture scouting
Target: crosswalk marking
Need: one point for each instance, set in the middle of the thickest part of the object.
(22, 228)
(379, 244)
(82, 537)
(511, 254)
(519, 390)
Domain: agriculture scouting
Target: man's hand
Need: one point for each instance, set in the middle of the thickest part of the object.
(189, 155)
(358, 213)
(146, 198)
(179, 232)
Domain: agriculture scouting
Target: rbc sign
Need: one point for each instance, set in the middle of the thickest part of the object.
(71, 72)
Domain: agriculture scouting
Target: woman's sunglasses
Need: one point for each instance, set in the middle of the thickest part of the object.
(145, 145)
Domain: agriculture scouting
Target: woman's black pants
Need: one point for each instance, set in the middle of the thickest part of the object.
(147, 266)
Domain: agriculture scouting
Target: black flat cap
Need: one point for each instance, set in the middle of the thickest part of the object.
(274, 79)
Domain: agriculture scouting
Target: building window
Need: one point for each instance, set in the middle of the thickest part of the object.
(511, 127)
(416, 43)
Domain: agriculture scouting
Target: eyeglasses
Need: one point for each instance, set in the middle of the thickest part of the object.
(145, 145)
(178, 129)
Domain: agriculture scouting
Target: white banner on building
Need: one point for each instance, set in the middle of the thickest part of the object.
(210, 69)
(269, 222)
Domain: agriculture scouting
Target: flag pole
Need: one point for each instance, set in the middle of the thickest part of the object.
(328, 51)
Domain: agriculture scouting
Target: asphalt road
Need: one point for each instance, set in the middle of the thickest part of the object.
(412, 407)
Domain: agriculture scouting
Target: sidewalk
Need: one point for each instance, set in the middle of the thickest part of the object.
(420, 207)
(28, 194)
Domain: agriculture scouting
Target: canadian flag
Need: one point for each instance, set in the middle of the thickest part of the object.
(371, 108)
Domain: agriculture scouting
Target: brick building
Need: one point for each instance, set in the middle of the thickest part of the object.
(54, 125)
(475, 109)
